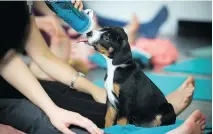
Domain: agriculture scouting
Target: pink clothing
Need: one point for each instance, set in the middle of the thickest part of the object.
(163, 51)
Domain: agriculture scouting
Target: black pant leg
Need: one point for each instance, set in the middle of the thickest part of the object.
(73, 100)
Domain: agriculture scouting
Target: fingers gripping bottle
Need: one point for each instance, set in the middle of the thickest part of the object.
(80, 21)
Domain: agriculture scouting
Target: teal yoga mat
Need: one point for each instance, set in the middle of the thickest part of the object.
(202, 52)
(167, 84)
(131, 129)
(196, 66)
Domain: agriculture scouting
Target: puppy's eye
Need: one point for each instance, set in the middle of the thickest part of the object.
(106, 37)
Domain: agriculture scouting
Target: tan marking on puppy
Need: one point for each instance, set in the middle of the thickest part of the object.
(110, 116)
(122, 121)
(116, 88)
(104, 51)
(158, 120)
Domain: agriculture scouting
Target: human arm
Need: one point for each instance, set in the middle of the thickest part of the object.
(16, 73)
(56, 68)
(19, 76)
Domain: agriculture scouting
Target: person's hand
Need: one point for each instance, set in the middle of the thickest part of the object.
(78, 4)
(62, 119)
(59, 40)
(50, 24)
(99, 95)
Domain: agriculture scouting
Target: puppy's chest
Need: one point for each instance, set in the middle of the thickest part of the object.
(109, 84)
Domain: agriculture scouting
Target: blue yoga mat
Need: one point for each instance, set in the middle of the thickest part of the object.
(195, 66)
(99, 60)
(131, 129)
(167, 84)
(202, 52)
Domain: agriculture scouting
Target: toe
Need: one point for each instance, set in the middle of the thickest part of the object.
(190, 88)
(196, 115)
(203, 127)
(189, 96)
(203, 117)
(186, 100)
(202, 122)
(187, 82)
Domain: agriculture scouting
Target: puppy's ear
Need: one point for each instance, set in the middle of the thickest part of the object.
(121, 32)
(122, 53)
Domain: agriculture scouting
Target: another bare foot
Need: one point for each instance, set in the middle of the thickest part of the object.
(132, 29)
(195, 124)
(182, 97)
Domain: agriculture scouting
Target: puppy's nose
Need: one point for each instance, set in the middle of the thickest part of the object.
(89, 34)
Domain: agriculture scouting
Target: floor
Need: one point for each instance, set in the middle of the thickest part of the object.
(184, 45)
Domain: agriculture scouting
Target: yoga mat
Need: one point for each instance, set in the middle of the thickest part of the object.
(195, 66)
(99, 60)
(131, 129)
(168, 84)
(202, 52)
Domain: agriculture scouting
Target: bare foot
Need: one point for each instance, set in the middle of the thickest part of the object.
(195, 124)
(132, 29)
(182, 97)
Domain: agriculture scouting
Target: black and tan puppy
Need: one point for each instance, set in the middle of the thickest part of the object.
(133, 97)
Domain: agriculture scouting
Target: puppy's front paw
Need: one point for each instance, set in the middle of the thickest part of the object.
(122, 121)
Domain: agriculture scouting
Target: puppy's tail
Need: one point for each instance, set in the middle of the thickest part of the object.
(168, 114)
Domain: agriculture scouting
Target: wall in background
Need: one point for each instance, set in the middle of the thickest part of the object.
(122, 10)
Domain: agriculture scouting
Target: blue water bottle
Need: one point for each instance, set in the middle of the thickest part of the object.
(81, 22)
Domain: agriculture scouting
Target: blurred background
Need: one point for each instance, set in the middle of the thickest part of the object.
(146, 10)
(170, 41)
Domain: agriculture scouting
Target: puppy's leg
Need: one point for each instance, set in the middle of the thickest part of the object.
(110, 116)
(124, 111)
(122, 121)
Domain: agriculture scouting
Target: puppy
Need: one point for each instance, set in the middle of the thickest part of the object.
(133, 98)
